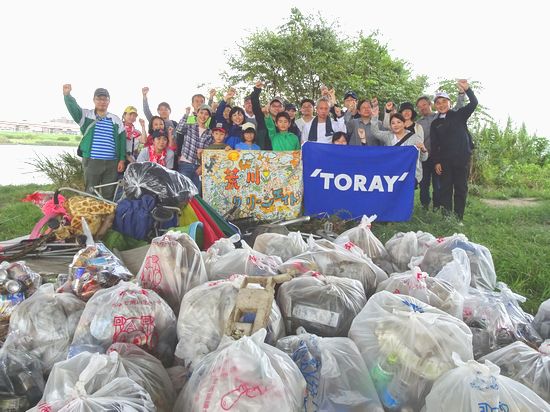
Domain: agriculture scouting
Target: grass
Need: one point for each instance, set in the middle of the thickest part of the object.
(43, 139)
(518, 237)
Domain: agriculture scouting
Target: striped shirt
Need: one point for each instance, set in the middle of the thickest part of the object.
(103, 142)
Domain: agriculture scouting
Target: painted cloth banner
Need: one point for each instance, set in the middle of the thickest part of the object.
(356, 180)
(263, 184)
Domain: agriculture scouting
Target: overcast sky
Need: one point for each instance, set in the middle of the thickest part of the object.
(172, 46)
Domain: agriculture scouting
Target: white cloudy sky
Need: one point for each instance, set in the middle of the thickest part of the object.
(172, 46)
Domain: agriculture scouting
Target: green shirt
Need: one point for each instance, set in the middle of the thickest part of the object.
(281, 141)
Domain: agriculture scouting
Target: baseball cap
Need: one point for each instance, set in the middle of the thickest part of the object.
(206, 107)
(130, 109)
(441, 94)
(277, 99)
(248, 125)
(350, 93)
(101, 92)
(158, 133)
(290, 106)
(219, 126)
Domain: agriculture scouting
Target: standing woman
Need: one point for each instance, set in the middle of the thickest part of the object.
(235, 119)
(400, 136)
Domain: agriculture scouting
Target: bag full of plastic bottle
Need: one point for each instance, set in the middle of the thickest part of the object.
(407, 344)
(433, 291)
(526, 365)
(172, 267)
(284, 246)
(204, 315)
(127, 313)
(402, 247)
(336, 375)
(474, 386)
(542, 320)
(324, 305)
(93, 382)
(244, 375)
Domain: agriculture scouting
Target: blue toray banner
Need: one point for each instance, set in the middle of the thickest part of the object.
(359, 180)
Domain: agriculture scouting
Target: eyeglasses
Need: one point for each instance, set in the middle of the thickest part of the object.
(102, 98)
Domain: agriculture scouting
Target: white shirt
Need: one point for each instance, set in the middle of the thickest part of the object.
(337, 126)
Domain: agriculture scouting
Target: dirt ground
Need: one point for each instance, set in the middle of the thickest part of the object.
(515, 202)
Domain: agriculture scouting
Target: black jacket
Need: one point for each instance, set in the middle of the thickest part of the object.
(262, 137)
(450, 139)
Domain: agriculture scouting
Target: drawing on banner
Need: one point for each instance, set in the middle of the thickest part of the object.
(261, 184)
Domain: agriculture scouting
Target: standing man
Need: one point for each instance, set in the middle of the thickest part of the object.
(103, 144)
(424, 107)
(249, 113)
(323, 127)
(452, 148)
(359, 130)
(163, 110)
(276, 105)
(306, 110)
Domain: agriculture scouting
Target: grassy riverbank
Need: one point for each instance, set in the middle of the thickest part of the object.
(42, 139)
(517, 234)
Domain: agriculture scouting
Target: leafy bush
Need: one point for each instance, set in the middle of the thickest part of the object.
(64, 170)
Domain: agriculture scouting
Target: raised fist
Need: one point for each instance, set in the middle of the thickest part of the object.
(67, 88)
(463, 84)
(142, 122)
(389, 106)
(259, 84)
(144, 91)
(212, 92)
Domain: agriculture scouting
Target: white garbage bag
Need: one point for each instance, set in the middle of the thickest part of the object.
(542, 320)
(204, 315)
(457, 272)
(525, 365)
(435, 292)
(324, 305)
(330, 259)
(496, 320)
(336, 376)
(363, 237)
(93, 382)
(172, 267)
(244, 375)
(44, 325)
(481, 261)
(243, 261)
(284, 246)
(127, 313)
(402, 247)
(473, 386)
(148, 372)
(407, 345)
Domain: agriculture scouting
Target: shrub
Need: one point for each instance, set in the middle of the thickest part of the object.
(64, 170)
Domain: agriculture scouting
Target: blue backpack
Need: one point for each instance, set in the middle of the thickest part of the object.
(133, 217)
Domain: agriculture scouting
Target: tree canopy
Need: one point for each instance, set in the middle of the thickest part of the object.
(307, 51)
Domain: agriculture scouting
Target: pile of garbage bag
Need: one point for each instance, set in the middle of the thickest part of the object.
(324, 305)
(335, 373)
(203, 319)
(473, 386)
(407, 345)
(244, 375)
(17, 283)
(172, 267)
(126, 313)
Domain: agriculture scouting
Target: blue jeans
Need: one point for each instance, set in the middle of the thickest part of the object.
(189, 171)
(429, 177)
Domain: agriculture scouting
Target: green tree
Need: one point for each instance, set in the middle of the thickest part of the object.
(307, 52)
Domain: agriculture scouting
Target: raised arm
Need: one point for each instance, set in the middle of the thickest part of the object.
(72, 106)
(146, 108)
(256, 105)
(467, 110)
(388, 110)
(143, 137)
(383, 136)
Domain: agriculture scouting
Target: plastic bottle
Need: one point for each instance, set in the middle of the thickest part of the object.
(384, 371)
(396, 395)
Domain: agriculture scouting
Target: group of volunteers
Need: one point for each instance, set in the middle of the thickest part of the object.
(442, 138)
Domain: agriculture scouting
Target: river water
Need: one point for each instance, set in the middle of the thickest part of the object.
(14, 169)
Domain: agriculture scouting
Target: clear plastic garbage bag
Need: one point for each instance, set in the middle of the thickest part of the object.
(473, 386)
(402, 247)
(170, 187)
(284, 246)
(496, 320)
(330, 259)
(172, 267)
(93, 383)
(243, 261)
(457, 272)
(44, 325)
(481, 261)
(204, 315)
(130, 314)
(148, 372)
(407, 345)
(542, 320)
(21, 379)
(336, 376)
(244, 375)
(435, 292)
(525, 365)
(363, 237)
(324, 305)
